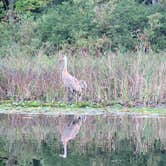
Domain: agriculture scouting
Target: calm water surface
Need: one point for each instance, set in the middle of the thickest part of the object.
(72, 140)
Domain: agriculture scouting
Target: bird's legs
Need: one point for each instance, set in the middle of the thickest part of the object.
(79, 96)
(69, 95)
(73, 95)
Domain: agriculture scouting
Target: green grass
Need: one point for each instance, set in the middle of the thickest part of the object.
(35, 104)
(76, 108)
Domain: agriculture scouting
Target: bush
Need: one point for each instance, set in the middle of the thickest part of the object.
(68, 23)
(78, 22)
(96, 26)
(19, 37)
(128, 17)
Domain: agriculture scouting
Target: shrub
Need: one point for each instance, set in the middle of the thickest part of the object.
(128, 17)
(67, 23)
(94, 26)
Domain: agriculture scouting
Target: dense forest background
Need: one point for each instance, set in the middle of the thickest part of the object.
(117, 46)
(98, 24)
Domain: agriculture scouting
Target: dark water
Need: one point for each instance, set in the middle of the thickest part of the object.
(103, 140)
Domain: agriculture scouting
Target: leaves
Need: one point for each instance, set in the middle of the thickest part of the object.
(30, 5)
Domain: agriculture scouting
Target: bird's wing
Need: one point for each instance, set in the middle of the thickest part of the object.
(72, 82)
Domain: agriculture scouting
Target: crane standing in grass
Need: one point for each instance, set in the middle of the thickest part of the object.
(75, 88)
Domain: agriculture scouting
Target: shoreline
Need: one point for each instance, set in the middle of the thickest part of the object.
(82, 111)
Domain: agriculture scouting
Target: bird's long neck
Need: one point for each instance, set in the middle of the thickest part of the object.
(65, 65)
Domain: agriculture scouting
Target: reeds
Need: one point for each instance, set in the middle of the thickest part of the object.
(133, 77)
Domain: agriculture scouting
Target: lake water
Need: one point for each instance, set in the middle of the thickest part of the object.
(73, 140)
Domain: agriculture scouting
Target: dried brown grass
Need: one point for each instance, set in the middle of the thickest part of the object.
(135, 77)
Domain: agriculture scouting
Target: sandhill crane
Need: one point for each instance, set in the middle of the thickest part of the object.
(72, 84)
(70, 131)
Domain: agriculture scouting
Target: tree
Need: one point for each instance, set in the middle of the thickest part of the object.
(5, 4)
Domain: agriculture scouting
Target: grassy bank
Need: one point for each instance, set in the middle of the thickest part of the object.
(54, 108)
(135, 77)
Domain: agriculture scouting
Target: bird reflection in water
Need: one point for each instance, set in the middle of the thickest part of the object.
(70, 130)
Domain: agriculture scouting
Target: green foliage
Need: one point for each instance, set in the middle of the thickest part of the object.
(157, 30)
(68, 23)
(129, 17)
(32, 104)
(5, 38)
(19, 38)
(30, 5)
(100, 25)
(2, 11)
(80, 22)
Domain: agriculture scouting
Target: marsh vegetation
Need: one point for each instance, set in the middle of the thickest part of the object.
(117, 47)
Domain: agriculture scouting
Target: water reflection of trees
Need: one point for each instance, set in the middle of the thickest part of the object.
(30, 137)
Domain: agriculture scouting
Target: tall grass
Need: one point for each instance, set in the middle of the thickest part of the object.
(136, 77)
